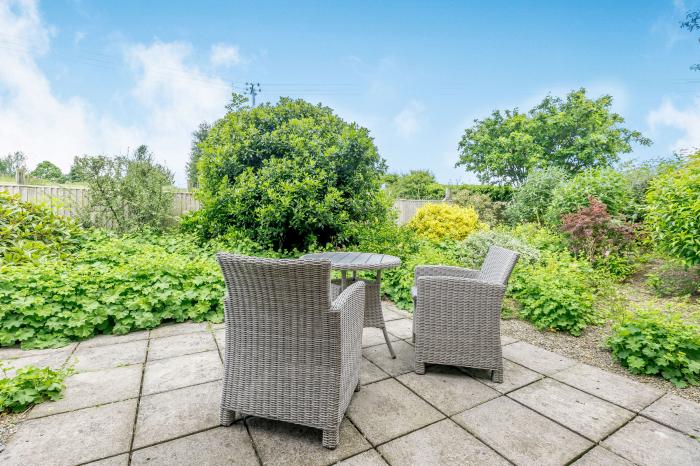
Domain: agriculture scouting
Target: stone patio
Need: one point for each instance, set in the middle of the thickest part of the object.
(152, 398)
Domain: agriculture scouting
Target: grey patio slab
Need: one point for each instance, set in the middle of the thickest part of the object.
(401, 328)
(71, 438)
(538, 359)
(506, 340)
(215, 447)
(615, 388)
(53, 360)
(181, 371)
(404, 362)
(514, 377)
(391, 312)
(372, 336)
(119, 460)
(178, 345)
(646, 442)
(220, 337)
(448, 389)
(677, 413)
(442, 443)
(370, 373)
(109, 356)
(368, 458)
(585, 414)
(15, 352)
(172, 414)
(102, 340)
(94, 388)
(281, 443)
(599, 456)
(386, 410)
(522, 435)
(168, 330)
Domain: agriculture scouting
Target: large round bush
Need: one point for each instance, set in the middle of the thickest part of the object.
(673, 215)
(605, 184)
(445, 221)
(290, 175)
(531, 200)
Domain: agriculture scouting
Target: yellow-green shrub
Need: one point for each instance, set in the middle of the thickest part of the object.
(445, 221)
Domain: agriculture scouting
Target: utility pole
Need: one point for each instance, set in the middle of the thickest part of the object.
(250, 89)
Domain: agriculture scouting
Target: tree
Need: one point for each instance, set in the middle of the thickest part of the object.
(47, 171)
(290, 175)
(12, 162)
(198, 136)
(692, 23)
(417, 184)
(126, 192)
(573, 134)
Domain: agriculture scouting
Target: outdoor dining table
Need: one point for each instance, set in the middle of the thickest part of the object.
(362, 261)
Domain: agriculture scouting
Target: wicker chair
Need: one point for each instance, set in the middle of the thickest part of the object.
(290, 354)
(457, 313)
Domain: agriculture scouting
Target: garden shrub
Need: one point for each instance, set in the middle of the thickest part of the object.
(490, 212)
(673, 216)
(29, 386)
(605, 241)
(541, 237)
(288, 176)
(531, 201)
(472, 251)
(557, 293)
(126, 193)
(30, 231)
(416, 184)
(673, 279)
(605, 184)
(497, 193)
(445, 221)
(113, 285)
(651, 342)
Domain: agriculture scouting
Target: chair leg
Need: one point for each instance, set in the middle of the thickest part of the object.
(420, 368)
(497, 376)
(331, 438)
(358, 387)
(388, 343)
(226, 416)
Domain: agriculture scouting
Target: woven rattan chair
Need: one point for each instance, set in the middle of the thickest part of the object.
(457, 313)
(290, 354)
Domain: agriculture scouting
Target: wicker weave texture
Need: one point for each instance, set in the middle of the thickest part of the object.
(457, 313)
(290, 353)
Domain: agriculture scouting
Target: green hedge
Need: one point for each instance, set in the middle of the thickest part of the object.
(497, 193)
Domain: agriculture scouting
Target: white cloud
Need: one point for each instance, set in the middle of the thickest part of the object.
(172, 95)
(686, 120)
(407, 121)
(225, 55)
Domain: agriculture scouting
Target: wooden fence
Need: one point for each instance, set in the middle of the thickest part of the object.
(68, 200)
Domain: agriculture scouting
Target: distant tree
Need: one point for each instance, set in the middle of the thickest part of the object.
(199, 135)
(416, 184)
(75, 174)
(47, 171)
(12, 162)
(692, 23)
(574, 134)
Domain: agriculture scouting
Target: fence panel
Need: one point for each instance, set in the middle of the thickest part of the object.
(407, 208)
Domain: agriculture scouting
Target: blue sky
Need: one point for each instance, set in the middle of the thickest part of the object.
(103, 77)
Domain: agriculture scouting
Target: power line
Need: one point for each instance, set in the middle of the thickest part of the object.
(251, 90)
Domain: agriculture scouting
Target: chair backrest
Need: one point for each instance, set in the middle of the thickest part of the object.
(498, 264)
(260, 286)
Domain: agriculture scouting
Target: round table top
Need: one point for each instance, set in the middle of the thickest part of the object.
(356, 260)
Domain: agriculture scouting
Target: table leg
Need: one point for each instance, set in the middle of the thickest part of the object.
(343, 280)
(386, 335)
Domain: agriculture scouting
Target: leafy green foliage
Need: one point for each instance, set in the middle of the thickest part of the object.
(651, 342)
(673, 216)
(574, 134)
(497, 193)
(541, 237)
(490, 212)
(29, 386)
(12, 162)
(557, 293)
(47, 171)
(673, 279)
(288, 176)
(29, 232)
(472, 251)
(445, 221)
(605, 184)
(531, 201)
(127, 193)
(198, 136)
(417, 184)
(112, 285)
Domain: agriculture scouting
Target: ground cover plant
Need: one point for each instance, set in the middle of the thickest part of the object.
(29, 386)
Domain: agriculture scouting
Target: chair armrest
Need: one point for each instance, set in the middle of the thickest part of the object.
(352, 298)
(446, 284)
(444, 271)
